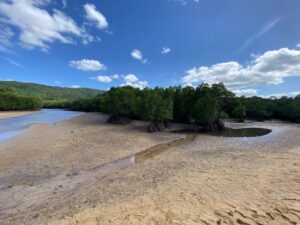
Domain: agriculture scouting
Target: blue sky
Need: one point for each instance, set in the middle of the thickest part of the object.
(253, 46)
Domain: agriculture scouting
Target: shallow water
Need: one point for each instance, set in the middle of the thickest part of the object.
(229, 132)
(243, 132)
(13, 126)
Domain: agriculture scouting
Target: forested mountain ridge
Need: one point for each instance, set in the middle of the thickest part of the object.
(47, 93)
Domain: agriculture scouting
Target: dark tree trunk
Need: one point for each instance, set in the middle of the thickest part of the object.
(118, 119)
(215, 126)
(157, 126)
(221, 125)
(168, 124)
(240, 120)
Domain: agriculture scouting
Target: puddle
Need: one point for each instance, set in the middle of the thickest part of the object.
(243, 132)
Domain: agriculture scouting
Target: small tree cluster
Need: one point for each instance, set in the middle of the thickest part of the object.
(202, 105)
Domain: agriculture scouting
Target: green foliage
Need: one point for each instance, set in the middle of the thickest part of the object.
(290, 110)
(224, 115)
(205, 104)
(119, 101)
(221, 92)
(154, 105)
(86, 105)
(239, 112)
(56, 104)
(9, 101)
(7, 90)
(259, 108)
(47, 93)
(206, 110)
(184, 100)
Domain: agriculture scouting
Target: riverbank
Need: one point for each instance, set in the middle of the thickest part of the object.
(11, 114)
(53, 175)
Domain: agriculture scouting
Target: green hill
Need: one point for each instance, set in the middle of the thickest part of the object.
(47, 93)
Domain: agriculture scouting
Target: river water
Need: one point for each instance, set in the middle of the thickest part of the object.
(13, 126)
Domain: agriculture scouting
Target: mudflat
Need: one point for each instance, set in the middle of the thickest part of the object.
(10, 114)
(83, 171)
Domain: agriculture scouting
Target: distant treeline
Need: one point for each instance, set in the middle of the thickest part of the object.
(48, 93)
(204, 106)
(9, 100)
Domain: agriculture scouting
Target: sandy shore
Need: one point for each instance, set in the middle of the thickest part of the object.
(53, 175)
(10, 114)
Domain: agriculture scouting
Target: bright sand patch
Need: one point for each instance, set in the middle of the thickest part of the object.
(10, 114)
(54, 177)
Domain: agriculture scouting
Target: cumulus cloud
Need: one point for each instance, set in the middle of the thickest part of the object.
(37, 27)
(87, 65)
(102, 79)
(269, 68)
(133, 81)
(75, 86)
(165, 50)
(105, 78)
(95, 16)
(138, 55)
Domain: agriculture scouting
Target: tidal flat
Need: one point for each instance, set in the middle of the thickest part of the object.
(84, 171)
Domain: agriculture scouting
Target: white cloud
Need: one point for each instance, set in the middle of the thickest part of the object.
(133, 80)
(245, 92)
(130, 78)
(95, 16)
(103, 79)
(269, 68)
(87, 65)
(38, 28)
(260, 33)
(298, 45)
(5, 35)
(75, 86)
(165, 50)
(116, 76)
(279, 95)
(138, 55)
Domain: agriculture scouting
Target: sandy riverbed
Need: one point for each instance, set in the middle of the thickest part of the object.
(10, 114)
(51, 175)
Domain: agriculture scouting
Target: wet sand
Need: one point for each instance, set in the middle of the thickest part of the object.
(67, 174)
(11, 114)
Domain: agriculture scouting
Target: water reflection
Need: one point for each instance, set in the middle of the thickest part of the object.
(244, 132)
(229, 132)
